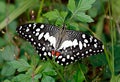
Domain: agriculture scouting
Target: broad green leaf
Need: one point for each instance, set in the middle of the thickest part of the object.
(6, 80)
(38, 76)
(27, 47)
(7, 72)
(49, 71)
(2, 42)
(84, 5)
(52, 15)
(99, 60)
(71, 5)
(57, 16)
(61, 18)
(73, 26)
(79, 76)
(23, 78)
(117, 58)
(48, 79)
(83, 17)
(8, 53)
(12, 27)
(2, 7)
(20, 65)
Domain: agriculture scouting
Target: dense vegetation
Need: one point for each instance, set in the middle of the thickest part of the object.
(20, 63)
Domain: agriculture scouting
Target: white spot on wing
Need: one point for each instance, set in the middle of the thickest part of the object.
(49, 54)
(72, 58)
(38, 29)
(31, 39)
(85, 40)
(34, 25)
(95, 45)
(27, 29)
(46, 36)
(68, 56)
(20, 28)
(37, 34)
(63, 59)
(80, 45)
(52, 41)
(59, 57)
(29, 36)
(39, 44)
(66, 44)
(40, 36)
(77, 53)
(29, 25)
(91, 38)
(90, 50)
(43, 49)
(95, 40)
(45, 54)
(58, 62)
(42, 26)
(83, 35)
(75, 43)
(102, 46)
(84, 45)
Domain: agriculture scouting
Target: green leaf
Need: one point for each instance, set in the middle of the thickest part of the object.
(38, 76)
(23, 78)
(79, 76)
(57, 16)
(28, 48)
(2, 7)
(2, 42)
(12, 27)
(52, 15)
(20, 65)
(84, 5)
(83, 17)
(7, 72)
(71, 5)
(117, 58)
(47, 79)
(8, 53)
(49, 71)
(60, 20)
(98, 60)
(6, 80)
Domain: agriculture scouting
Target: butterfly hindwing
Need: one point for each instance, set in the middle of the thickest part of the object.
(77, 45)
(42, 36)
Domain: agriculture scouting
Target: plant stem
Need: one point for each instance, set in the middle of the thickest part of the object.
(112, 39)
(40, 9)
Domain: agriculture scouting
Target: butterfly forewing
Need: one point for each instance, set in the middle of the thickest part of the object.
(42, 36)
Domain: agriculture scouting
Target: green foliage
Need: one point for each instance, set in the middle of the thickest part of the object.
(20, 63)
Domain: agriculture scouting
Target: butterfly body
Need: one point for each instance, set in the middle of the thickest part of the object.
(67, 46)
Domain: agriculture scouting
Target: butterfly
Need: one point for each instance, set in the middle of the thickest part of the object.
(65, 46)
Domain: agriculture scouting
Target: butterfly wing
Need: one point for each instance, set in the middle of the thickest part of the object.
(77, 45)
(42, 36)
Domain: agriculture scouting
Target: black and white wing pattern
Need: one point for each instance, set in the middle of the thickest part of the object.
(66, 46)
(41, 36)
(77, 45)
